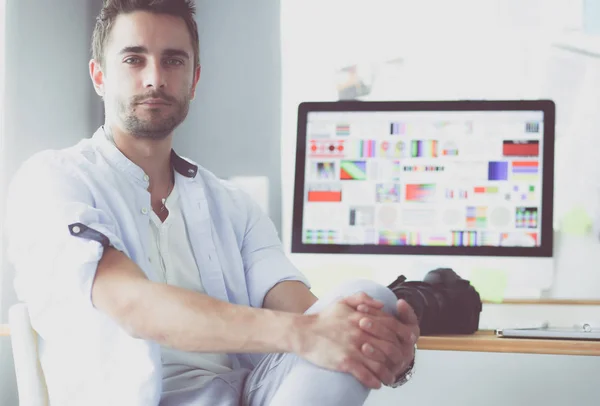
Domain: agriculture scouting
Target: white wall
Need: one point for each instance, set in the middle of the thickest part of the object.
(50, 103)
(234, 126)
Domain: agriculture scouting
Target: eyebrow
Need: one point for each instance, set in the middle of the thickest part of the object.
(143, 50)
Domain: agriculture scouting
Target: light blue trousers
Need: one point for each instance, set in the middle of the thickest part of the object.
(286, 379)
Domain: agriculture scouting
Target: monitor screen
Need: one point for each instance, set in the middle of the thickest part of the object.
(425, 178)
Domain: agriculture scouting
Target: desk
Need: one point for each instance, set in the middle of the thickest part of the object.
(487, 341)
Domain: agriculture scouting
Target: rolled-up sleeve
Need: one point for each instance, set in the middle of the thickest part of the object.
(265, 262)
(55, 262)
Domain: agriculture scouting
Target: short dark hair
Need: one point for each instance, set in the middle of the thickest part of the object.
(112, 8)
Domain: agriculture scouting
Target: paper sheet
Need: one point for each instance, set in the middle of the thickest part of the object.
(576, 222)
(490, 283)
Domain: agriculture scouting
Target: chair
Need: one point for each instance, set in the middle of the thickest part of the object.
(31, 384)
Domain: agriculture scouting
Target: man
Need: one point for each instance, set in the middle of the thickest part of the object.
(149, 281)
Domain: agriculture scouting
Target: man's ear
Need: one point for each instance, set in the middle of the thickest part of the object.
(97, 76)
(195, 83)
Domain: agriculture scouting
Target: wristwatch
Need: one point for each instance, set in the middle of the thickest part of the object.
(407, 375)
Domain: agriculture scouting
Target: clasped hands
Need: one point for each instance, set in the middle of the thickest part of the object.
(354, 335)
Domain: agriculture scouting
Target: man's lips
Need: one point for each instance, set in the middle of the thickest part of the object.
(154, 102)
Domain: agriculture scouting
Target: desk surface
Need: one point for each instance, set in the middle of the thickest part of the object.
(487, 341)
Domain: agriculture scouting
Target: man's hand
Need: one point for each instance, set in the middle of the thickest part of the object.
(392, 333)
(355, 336)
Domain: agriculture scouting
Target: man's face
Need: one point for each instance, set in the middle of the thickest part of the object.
(148, 76)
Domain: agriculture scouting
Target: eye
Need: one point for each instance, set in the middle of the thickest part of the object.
(132, 60)
(173, 62)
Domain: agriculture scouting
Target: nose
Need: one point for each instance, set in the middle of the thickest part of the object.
(154, 76)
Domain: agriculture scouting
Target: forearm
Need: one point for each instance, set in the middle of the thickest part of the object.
(190, 321)
(184, 319)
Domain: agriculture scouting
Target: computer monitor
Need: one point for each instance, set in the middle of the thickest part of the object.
(441, 180)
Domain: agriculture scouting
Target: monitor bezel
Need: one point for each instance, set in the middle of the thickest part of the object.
(546, 106)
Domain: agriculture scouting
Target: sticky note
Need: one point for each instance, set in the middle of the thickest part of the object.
(576, 222)
(489, 283)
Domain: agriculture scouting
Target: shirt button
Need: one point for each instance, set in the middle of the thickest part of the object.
(146, 178)
(144, 210)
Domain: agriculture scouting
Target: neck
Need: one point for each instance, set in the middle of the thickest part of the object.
(153, 156)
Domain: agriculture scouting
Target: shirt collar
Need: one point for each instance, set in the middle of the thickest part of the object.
(121, 162)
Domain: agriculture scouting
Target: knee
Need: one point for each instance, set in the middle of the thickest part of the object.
(371, 288)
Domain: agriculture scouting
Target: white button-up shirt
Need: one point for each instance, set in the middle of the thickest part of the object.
(65, 206)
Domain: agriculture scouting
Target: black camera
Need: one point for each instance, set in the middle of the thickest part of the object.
(444, 302)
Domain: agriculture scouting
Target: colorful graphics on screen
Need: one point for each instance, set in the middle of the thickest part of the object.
(423, 168)
(342, 130)
(449, 148)
(402, 238)
(420, 193)
(424, 149)
(435, 240)
(522, 193)
(396, 170)
(525, 171)
(519, 239)
(498, 170)
(362, 216)
(324, 171)
(486, 190)
(532, 127)
(320, 237)
(324, 193)
(520, 148)
(526, 217)
(360, 148)
(457, 193)
(353, 170)
(326, 148)
(388, 192)
(392, 149)
(404, 179)
(464, 238)
(477, 217)
(397, 128)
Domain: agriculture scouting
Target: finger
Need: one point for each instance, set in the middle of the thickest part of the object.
(382, 351)
(377, 327)
(406, 314)
(402, 332)
(370, 310)
(381, 370)
(373, 353)
(363, 374)
(362, 298)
